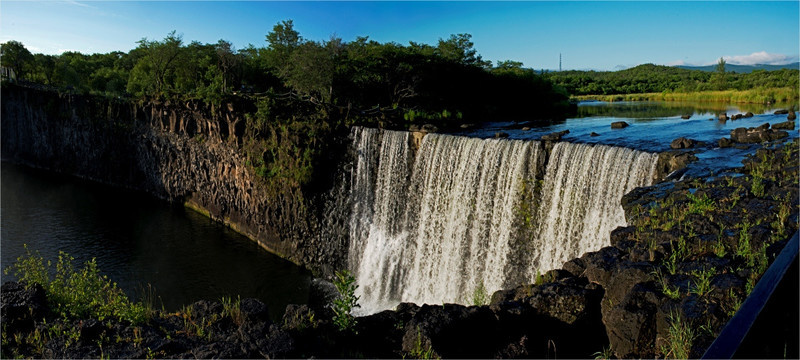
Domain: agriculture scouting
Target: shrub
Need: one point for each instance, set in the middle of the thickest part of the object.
(347, 300)
(78, 294)
(479, 296)
(700, 204)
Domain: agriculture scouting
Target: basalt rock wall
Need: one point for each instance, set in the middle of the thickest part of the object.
(184, 152)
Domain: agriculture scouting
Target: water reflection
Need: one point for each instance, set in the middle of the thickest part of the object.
(655, 109)
(138, 240)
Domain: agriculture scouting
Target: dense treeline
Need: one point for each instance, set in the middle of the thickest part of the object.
(304, 93)
(649, 78)
(415, 82)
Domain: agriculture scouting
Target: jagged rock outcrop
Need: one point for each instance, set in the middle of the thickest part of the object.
(672, 162)
(758, 134)
(180, 152)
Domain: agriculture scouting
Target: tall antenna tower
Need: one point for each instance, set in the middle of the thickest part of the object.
(559, 62)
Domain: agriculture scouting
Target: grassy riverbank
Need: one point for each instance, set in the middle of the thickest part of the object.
(785, 95)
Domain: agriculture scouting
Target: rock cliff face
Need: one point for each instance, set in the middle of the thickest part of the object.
(184, 153)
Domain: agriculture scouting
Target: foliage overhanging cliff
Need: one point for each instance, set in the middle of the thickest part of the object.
(370, 81)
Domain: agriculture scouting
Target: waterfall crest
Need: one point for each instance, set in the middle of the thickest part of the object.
(434, 224)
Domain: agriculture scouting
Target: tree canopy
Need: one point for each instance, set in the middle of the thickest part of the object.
(649, 78)
(448, 81)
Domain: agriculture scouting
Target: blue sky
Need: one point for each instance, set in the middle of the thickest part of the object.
(589, 35)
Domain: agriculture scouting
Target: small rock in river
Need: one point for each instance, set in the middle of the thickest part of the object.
(500, 135)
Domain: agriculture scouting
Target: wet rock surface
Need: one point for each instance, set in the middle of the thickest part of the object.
(683, 143)
(757, 134)
(555, 136)
(619, 125)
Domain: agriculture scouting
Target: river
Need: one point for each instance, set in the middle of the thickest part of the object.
(138, 240)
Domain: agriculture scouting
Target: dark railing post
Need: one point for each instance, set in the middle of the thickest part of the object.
(737, 331)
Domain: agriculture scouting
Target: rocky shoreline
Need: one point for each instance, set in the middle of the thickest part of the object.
(665, 287)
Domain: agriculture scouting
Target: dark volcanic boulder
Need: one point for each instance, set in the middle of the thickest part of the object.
(452, 331)
(748, 114)
(631, 323)
(723, 117)
(206, 309)
(757, 134)
(672, 161)
(725, 143)
(429, 128)
(21, 306)
(555, 136)
(254, 310)
(598, 265)
(791, 115)
(570, 301)
(781, 112)
(619, 125)
(786, 125)
(500, 135)
(594, 134)
(685, 116)
(682, 143)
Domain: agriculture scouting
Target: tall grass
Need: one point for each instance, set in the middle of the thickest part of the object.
(752, 96)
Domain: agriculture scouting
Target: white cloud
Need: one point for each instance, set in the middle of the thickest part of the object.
(761, 57)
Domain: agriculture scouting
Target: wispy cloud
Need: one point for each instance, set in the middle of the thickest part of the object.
(677, 63)
(73, 2)
(761, 57)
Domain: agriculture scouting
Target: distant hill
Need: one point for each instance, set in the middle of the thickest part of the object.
(742, 69)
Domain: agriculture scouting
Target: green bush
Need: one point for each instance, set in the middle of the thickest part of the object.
(480, 296)
(78, 294)
(347, 301)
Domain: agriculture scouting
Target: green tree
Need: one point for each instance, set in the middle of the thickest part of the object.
(721, 66)
(311, 72)
(283, 40)
(15, 56)
(459, 48)
(509, 67)
(45, 67)
(226, 61)
(153, 73)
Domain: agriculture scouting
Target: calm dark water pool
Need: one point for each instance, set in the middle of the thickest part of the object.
(138, 240)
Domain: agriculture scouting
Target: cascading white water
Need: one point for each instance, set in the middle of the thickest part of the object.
(580, 199)
(435, 226)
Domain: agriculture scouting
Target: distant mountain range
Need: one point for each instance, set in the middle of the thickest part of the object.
(742, 69)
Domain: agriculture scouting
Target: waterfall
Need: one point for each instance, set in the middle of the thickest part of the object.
(434, 224)
(580, 200)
